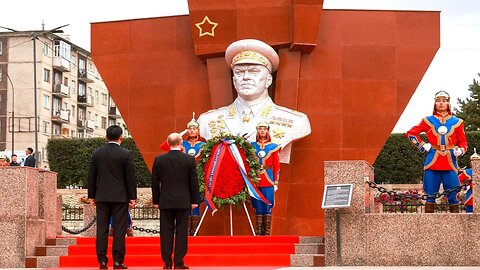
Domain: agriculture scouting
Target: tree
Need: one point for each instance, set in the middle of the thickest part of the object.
(470, 108)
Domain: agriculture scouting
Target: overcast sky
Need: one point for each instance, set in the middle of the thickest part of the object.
(454, 67)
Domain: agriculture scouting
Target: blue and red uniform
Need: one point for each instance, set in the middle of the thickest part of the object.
(269, 159)
(444, 133)
(464, 176)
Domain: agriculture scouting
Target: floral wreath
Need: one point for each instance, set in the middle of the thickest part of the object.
(230, 187)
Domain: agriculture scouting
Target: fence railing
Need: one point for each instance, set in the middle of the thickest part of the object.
(137, 213)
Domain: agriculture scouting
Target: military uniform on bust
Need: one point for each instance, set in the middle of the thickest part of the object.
(268, 156)
(252, 63)
(446, 142)
(192, 145)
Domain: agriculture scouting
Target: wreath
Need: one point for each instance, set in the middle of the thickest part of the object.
(230, 187)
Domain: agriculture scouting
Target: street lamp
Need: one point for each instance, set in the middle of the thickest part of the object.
(13, 113)
(34, 38)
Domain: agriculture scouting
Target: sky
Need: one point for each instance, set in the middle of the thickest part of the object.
(453, 69)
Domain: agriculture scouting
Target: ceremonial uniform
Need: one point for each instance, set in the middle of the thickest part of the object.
(270, 172)
(464, 176)
(286, 125)
(445, 134)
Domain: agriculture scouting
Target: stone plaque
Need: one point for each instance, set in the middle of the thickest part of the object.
(335, 196)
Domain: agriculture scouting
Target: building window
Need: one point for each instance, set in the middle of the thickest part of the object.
(45, 127)
(1, 73)
(46, 102)
(104, 99)
(46, 49)
(65, 81)
(81, 89)
(104, 122)
(73, 111)
(1, 47)
(55, 129)
(46, 75)
(81, 65)
(111, 122)
(72, 134)
(96, 120)
(97, 96)
(72, 88)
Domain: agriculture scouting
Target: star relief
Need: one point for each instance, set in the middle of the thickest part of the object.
(212, 25)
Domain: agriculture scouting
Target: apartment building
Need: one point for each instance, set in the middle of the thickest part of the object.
(71, 98)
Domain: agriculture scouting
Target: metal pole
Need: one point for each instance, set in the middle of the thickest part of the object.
(249, 220)
(13, 114)
(35, 97)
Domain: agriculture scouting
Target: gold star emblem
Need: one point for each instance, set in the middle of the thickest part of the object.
(213, 25)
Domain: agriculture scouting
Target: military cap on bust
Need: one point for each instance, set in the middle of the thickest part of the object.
(252, 51)
(263, 124)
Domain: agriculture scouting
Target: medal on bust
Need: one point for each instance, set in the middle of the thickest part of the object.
(192, 152)
(262, 153)
(442, 130)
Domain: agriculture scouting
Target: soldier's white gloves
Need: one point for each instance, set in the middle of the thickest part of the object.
(275, 187)
(183, 132)
(427, 147)
(457, 152)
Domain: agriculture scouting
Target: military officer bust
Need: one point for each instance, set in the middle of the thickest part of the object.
(252, 62)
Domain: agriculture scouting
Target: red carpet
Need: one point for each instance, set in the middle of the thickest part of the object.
(202, 251)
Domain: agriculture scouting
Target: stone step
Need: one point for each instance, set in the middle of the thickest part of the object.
(61, 241)
(51, 250)
(310, 248)
(311, 239)
(42, 262)
(307, 260)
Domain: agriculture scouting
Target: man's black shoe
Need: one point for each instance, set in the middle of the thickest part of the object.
(103, 265)
(167, 267)
(182, 267)
(117, 265)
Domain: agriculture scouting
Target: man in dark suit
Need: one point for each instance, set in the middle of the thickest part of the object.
(30, 160)
(175, 192)
(112, 185)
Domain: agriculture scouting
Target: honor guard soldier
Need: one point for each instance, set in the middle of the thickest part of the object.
(468, 202)
(446, 142)
(268, 156)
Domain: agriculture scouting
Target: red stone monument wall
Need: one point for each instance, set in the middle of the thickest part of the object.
(351, 72)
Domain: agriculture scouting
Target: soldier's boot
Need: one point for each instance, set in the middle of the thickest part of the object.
(454, 208)
(190, 226)
(195, 222)
(429, 207)
(267, 223)
(129, 232)
(259, 229)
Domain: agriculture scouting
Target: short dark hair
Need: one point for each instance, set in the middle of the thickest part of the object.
(14, 155)
(30, 149)
(114, 132)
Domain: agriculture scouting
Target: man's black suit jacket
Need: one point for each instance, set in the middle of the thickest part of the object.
(29, 161)
(174, 181)
(111, 176)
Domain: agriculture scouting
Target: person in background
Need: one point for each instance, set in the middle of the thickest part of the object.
(30, 159)
(3, 161)
(14, 161)
(446, 142)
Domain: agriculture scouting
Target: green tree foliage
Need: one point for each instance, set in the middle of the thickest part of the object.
(70, 158)
(399, 162)
(470, 108)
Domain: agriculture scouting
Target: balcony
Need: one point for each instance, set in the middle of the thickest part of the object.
(86, 101)
(90, 124)
(61, 90)
(61, 63)
(113, 112)
(62, 116)
(81, 124)
(86, 76)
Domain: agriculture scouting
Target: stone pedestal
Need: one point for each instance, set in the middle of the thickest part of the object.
(27, 212)
(89, 212)
(369, 239)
